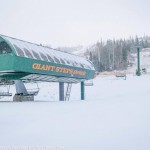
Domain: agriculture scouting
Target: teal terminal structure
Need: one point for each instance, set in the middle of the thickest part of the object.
(22, 61)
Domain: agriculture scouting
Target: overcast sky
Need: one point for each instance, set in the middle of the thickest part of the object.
(73, 22)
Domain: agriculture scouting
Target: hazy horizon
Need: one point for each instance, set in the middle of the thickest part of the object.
(73, 22)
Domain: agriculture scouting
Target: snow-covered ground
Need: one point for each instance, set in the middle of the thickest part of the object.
(114, 116)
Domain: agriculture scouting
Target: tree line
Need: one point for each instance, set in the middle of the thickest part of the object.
(115, 54)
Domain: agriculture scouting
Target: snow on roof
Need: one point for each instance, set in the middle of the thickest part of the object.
(34, 51)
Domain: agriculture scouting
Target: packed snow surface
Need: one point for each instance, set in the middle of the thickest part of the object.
(114, 116)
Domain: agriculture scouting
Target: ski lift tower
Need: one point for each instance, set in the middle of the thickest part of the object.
(138, 54)
(138, 62)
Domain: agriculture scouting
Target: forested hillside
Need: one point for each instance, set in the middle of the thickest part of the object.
(115, 54)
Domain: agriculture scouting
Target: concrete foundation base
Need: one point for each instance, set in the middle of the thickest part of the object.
(21, 98)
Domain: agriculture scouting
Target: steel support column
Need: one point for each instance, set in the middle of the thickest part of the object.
(61, 91)
(82, 91)
(20, 88)
(22, 93)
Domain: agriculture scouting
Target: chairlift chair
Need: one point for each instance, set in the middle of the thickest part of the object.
(88, 83)
(6, 92)
(34, 91)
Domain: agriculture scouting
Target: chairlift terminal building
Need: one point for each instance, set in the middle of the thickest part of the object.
(21, 60)
(28, 61)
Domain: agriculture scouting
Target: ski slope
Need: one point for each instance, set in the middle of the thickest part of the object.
(114, 116)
